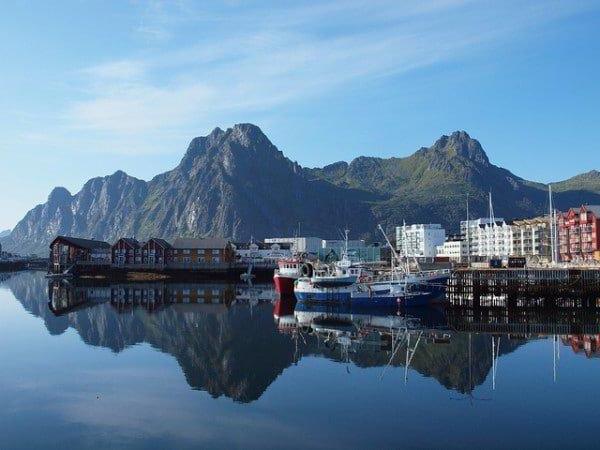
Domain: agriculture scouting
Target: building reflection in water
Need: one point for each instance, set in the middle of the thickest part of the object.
(66, 295)
(235, 340)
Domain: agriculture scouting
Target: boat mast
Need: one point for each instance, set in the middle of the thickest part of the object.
(552, 227)
(346, 231)
(492, 225)
(407, 267)
(395, 256)
(468, 240)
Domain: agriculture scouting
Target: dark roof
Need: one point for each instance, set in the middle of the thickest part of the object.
(209, 242)
(160, 241)
(131, 241)
(82, 243)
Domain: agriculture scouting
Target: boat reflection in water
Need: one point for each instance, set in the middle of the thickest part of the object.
(376, 378)
(235, 340)
(398, 334)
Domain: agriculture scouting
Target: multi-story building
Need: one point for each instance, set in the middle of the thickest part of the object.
(258, 252)
(338, 245)
(155, 252)
(455, 249)
(189, 252)
(486, 238)
(531, 238)
(419, 240)
(67, 251)
(579, 233)
(299, 244)
(126, 251)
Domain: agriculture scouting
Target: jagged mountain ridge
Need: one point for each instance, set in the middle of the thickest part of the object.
(432, 184)
(236, 183)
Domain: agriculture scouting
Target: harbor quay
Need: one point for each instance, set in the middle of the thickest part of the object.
(524, 287)
(184, 257)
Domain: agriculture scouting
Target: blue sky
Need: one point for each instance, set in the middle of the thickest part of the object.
(87, 88)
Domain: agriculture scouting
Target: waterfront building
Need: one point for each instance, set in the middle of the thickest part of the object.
(187, 252)
(454, 248)
(579, 233)
(531, 238)
(66, 251)
(259, 252)
(365, 253)
(338, 245)
(126, 252)
(487, 238)
(155, 252)
(419, 240)
(299, 244)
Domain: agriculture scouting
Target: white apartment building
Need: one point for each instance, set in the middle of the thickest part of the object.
(299, 244)
(455, 249)
(419, 240)
(488, 239)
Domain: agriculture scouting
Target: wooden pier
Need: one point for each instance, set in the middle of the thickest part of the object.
(188, 272)
(524, 287)
(525, 323)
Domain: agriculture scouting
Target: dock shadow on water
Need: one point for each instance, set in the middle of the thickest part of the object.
(299, 366)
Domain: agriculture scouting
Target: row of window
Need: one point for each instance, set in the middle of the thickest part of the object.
(186, 251)
(201, 259)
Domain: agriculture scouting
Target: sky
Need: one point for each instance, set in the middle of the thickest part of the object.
(91, 87)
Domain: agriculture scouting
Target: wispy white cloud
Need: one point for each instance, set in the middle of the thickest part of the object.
(246, 59)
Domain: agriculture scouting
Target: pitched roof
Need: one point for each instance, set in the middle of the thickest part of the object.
(131, 241)
(160, 241)
(209, 242)
(82, 243)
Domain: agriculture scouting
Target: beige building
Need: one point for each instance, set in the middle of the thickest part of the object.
(531, 238)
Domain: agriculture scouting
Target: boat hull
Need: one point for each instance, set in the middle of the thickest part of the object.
(284, 285)
(404, 300)
(323, 296)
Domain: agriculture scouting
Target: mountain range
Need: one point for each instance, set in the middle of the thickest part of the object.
(235, 183)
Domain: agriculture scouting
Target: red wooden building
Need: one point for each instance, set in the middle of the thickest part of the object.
(579, 233)
(126, 251)
(156, 252)
(66, 251)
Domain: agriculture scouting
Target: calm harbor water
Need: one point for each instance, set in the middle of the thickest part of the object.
(216, 366)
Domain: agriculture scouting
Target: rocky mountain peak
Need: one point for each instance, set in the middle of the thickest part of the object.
(59, 195)
(249, 135)
(461, 144)
(241, 136)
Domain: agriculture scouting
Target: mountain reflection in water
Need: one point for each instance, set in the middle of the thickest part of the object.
(235, 340)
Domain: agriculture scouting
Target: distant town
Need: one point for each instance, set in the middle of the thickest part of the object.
(574, 235)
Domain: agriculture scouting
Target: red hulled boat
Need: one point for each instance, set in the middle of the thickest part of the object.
(288, 272)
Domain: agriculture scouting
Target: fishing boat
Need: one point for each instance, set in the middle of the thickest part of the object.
(288, 271)
(393, 294)
(345, 283)
(331, 282)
